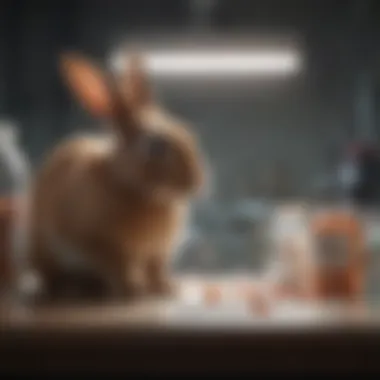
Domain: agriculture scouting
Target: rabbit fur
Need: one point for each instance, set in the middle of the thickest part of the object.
(118, 202)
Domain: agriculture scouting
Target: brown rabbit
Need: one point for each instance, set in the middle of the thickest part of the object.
(116, 201)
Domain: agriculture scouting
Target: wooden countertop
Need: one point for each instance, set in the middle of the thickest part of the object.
(186, 335)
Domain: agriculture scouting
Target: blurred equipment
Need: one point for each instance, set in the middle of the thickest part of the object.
(14, 164)
(14, 177)
(359, 174)
(340, 255)
(319, 254)
(293, 268)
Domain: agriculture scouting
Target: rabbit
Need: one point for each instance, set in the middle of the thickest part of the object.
(116, 202)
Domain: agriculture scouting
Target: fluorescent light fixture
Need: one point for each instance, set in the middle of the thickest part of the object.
(230, 63)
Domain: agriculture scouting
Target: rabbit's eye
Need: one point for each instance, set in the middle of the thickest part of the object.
(156, 145)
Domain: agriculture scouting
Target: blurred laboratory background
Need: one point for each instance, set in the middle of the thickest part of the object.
(304, 129)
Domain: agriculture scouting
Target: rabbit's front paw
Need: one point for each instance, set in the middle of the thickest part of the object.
(159, 279)
(132, 289)
(164, 287)
(134, 285)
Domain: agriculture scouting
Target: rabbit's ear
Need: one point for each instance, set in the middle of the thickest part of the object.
(136, 81)
(88, 83)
